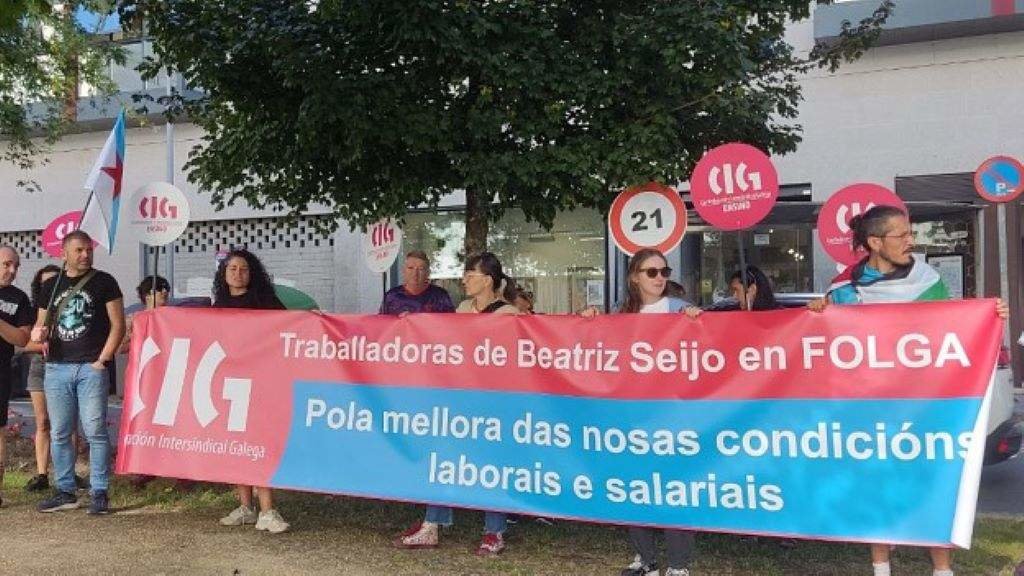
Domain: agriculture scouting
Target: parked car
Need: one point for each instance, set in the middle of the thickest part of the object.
(1004, 431)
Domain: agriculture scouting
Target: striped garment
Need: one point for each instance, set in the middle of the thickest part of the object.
(862, 284)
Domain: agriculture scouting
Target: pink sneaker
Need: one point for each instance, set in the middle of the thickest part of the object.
(421, 535)
(491, 545)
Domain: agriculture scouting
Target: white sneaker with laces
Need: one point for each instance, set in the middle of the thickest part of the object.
(677, 572)
(239, 517)
(272, 522)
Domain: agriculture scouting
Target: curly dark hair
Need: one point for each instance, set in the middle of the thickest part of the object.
(37, 282)
(260, 284)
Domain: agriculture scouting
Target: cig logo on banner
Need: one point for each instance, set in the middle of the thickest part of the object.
(236, 391)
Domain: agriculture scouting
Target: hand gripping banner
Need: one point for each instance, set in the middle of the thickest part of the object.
(862, 423)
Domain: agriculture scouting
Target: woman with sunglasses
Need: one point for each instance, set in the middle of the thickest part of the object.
(648, 288)
(648, 291)
(489, 291)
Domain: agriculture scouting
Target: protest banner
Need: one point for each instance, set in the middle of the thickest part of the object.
(862, 423)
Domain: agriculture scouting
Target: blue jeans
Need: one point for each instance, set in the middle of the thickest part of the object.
(78, 391)
(494, 522)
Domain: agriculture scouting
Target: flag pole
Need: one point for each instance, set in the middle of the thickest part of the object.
(152, 281)
(746, 304)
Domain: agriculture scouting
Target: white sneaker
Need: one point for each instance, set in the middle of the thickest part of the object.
(677, 572)
(421, 535)
(638, 568)
(239, 517)
(272, 522)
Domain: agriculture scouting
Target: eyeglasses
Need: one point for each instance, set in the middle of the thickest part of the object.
(904, 236)
(470, 274)
(653, 272)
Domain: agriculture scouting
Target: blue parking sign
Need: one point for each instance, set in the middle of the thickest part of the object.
(999, 179)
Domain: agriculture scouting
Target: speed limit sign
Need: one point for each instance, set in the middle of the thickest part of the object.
(648, 216)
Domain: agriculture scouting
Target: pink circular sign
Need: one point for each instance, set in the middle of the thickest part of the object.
(55, 231)
(734, 186)
(834, 219)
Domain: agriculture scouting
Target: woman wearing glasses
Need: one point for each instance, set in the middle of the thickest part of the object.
(648, 288)
(489, 291)
(648, 292)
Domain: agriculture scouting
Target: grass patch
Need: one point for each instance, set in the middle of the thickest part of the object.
(348, 529)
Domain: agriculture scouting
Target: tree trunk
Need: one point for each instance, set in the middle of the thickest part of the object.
(476, 221)
(71, 90)
(70, 73)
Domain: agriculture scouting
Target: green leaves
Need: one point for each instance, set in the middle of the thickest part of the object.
(375, 106)
(40, 72)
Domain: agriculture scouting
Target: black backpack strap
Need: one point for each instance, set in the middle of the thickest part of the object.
(52, 319)
(494, 306)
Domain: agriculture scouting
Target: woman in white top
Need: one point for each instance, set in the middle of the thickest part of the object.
(647, 292)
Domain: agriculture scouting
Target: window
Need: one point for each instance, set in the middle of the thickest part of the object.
(784, 253)
(564, 267)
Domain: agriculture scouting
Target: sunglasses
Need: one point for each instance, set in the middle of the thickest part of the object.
(653, 272)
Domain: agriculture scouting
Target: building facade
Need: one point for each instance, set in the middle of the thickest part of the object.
(917, 114)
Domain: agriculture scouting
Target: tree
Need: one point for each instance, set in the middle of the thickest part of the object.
(45, 53)
(369, 108)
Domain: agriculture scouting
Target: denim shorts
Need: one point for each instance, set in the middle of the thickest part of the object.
(36, 371)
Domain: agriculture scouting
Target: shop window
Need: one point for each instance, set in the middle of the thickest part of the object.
(949, 246)
(784, 253)
(564, 267)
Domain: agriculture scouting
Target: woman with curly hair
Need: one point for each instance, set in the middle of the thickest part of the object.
(243, 282)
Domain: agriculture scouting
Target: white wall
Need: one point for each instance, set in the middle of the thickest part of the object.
(926, 108)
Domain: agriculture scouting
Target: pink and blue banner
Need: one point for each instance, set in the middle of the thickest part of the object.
(862, 423)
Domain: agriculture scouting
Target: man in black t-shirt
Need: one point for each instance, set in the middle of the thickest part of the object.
(82, 328)
(15, 321)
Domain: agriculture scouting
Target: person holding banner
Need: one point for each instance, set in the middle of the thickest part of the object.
(81, 327)
(242, 281)
(890, 273)
(648, 291)
(416, 293)
(489, 291)
(758, 296)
